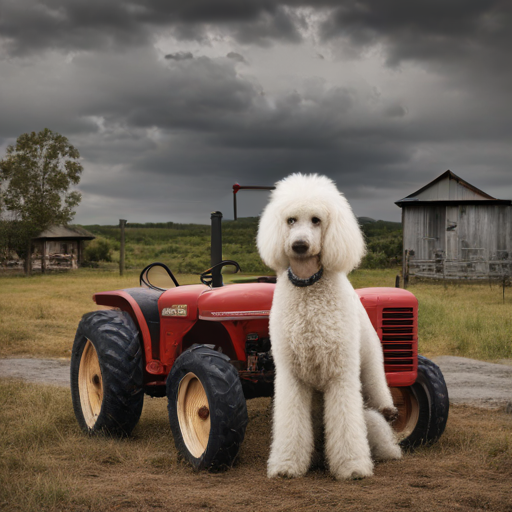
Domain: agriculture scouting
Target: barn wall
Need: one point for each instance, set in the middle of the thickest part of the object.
(460, 241)
(58, 254)
(448, 190)
(423, 229)
(485, 238)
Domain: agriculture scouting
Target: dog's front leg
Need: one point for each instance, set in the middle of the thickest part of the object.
(347, 448)
(373, 377)
(292, 432)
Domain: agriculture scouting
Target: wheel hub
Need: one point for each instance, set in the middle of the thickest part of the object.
(90, 384)
(193, 414)
(408, 411)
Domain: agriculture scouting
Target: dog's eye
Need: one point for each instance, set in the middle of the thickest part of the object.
(315, 220)
(292, 220)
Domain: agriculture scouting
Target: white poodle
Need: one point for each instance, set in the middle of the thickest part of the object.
(322, 338)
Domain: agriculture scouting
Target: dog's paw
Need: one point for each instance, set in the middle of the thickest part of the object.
(353, 469)
(388, 451)
(390, 414)
(285, 470)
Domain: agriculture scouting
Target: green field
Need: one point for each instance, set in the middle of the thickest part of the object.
(186, 247)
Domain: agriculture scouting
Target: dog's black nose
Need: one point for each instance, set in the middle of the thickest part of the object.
(300, 246)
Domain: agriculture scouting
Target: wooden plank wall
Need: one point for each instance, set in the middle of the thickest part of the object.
(460, 241)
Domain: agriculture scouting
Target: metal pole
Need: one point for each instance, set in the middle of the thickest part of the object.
(216, 247)
(122, 224)
(237, 187)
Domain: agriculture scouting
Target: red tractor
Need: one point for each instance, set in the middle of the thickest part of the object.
(207, 348)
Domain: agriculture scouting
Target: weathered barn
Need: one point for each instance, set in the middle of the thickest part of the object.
(453, 230)
(60, 247)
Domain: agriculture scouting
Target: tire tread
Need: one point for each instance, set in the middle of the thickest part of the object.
(116, 340)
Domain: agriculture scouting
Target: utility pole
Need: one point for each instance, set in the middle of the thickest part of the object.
(122, 224)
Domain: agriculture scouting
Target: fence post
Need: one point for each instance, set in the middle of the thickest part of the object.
(406, 269)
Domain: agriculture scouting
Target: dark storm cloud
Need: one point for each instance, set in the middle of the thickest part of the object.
(209, 96)
(179, 56)
(32, 26)
(474, 34)
(168, 131)
(423, 29)
(467, 41)
(236, 56)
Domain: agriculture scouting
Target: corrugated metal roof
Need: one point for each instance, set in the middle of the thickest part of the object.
(67, 232)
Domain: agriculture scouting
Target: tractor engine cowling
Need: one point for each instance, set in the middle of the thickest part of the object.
(394, 315)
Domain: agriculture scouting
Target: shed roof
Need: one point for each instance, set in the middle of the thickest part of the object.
(448, 187)
(65, 233)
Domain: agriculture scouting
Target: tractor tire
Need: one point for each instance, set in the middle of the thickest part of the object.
(207, 408)
(423, 407)
(106, 374)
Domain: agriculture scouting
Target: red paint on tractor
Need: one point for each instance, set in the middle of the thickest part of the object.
(393, 313)
(249, 301)
(244, 309)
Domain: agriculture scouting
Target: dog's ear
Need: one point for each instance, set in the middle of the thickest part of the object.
(271, 236)
(343, 244)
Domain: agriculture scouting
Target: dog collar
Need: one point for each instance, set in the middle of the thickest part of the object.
(297, 281)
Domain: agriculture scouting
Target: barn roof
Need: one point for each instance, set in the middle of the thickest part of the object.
(65, 233)
(448, 188)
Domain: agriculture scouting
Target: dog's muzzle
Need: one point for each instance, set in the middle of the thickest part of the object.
(300, 247)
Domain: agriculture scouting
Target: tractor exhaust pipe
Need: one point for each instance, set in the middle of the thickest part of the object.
(216, 248)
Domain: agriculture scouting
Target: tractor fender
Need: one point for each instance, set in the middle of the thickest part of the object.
(142, 305)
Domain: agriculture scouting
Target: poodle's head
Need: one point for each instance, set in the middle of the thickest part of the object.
(307, 217)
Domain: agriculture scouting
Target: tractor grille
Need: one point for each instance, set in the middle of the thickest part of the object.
(398, 341)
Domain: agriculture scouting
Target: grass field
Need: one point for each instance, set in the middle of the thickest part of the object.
(39, 315)
(186, 247)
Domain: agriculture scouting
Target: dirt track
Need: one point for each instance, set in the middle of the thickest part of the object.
(470, 382)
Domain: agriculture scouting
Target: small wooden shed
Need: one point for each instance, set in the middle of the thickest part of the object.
(60, 247)
(453, 230)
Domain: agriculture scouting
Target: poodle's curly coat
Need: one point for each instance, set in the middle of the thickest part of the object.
(322, 339)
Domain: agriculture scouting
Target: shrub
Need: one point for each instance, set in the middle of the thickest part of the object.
(375, 260)
(98, 250)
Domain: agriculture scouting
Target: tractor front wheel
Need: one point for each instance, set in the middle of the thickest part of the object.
(106, 373)
(422, 407)
(207, 409)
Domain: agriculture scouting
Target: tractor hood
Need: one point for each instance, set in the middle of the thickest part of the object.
(249, 301)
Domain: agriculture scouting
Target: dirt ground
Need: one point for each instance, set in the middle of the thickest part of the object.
(433, 479)
(469, 381)
(463, 471)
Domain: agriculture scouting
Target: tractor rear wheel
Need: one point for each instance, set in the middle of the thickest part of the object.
(207, 409)
(106, 373)
(422, 407)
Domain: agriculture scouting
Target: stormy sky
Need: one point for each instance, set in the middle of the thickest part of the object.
(172, 102)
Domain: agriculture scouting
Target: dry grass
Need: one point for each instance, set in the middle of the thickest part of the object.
(458, 319)
(39, 315)
(469, 320)
(46, 463)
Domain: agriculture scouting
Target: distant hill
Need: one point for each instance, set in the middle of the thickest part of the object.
(365, 220)
(186, 247)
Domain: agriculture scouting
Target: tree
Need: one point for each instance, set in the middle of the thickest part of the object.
(35, 177)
